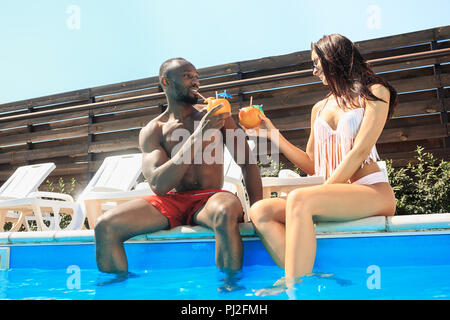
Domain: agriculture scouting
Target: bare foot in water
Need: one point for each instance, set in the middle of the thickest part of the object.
(282, 285)
(120, 277)
(230, 282)
(278, 287)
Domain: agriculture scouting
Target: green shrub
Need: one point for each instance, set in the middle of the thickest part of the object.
(270, 168)
(423, 187)
(63, 187)
(60, 187)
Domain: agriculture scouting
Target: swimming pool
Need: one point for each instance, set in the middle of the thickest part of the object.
(370, 265)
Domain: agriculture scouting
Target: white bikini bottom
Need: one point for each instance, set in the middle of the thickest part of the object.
(372, 178)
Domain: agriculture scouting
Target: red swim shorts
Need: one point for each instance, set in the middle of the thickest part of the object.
(180, 207)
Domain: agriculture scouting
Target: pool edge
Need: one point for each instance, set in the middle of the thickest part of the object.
(371, 226)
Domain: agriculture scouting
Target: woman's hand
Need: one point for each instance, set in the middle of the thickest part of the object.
(266, 129)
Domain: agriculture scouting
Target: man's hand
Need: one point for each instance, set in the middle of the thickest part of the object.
(211, 121)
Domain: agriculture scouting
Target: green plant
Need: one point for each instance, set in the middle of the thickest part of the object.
(270, 168)
(60, 187)
(423, 187)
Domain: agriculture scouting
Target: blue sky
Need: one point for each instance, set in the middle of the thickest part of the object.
(53, 46)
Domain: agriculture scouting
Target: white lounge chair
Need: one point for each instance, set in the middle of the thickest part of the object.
(382, 165)
(285, 182)
(110, 186)
(289, 180)
(234, 182)
(282, 186)
(20, 194)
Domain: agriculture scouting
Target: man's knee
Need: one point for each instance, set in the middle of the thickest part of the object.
(227, 215)
(106, 227)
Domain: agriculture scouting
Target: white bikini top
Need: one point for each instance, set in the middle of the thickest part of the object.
(332, 146)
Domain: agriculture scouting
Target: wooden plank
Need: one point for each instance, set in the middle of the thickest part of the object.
(127, 94)
(77, 95)
(412, 133)
(137, 122)
(127, 114)
(405, 39)
(60, 133)
(133, 85)
(45, 153)
(75, 131)
(115, 144)
(418, 120)
(151, 106)
(44, 119)
(122, 95)
(418, 107)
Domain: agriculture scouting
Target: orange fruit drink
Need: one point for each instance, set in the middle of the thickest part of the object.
(212, 102)
(249, 116)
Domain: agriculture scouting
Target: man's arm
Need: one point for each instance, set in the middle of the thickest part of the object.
(250, 170)
(163, 172)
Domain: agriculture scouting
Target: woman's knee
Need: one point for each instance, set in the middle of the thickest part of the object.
(263, 211)
(298, 204)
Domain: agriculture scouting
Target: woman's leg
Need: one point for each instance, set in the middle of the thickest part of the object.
(333, 202)
(268, 217)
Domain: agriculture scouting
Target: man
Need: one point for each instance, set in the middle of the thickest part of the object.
(187, 191)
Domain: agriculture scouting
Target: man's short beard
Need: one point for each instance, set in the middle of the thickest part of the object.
(189, 99)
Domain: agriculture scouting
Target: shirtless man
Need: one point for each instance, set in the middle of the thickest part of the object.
(185, 192)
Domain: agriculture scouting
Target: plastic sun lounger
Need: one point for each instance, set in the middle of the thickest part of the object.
(285, 182)
(111, 185)
(289, 180)
(233, 181)
(20, 200)
(113, 181)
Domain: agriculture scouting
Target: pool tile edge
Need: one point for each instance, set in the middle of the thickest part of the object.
(363, 226)
(371, 224)
(31, 237)
(418, 222)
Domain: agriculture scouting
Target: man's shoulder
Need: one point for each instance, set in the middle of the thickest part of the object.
(152, 128)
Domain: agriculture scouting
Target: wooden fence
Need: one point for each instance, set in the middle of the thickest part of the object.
(78, 129)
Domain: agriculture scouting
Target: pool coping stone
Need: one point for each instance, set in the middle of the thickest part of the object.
(440, 221)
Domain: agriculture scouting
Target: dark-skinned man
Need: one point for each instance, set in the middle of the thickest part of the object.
(187, 191)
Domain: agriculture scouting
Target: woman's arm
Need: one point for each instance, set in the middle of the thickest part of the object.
(372, 125)
(303, 160)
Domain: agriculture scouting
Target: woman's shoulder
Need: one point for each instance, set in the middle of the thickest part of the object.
(379, 90)
(319, 105)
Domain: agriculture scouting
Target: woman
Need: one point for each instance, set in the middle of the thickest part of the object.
(344, 129)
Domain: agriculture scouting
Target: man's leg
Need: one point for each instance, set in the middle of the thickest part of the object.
(120, 224)
(222, 213)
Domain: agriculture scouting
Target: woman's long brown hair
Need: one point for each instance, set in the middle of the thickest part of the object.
(347, 72)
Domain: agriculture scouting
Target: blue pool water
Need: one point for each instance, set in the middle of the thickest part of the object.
(367, 267)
